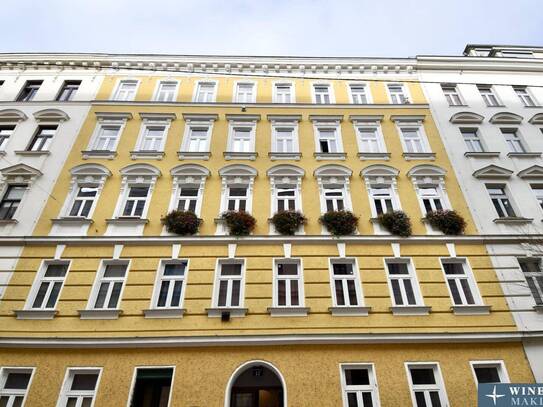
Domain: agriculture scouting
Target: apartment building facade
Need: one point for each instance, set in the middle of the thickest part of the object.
(106, 307)
(487, 106)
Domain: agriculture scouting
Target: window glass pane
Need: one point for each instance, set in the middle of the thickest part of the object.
(174, 269)
(115, 294)
(357, 377)
(56, 270)
(290, 269)
(352, 400)
(342, 269)
(84, 381)
(231, 269)
(115, 270)
(423, 376)
(421, 401)
(487, 374)
(17, 381)
(397, 268)
(163, 294)
(236, 285)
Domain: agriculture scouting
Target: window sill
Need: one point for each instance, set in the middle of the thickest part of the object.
(462, 105)
(471, 309)
(482, 154)
(8, 222)
(194, 155)
(349, 311)
(410, 310)
(524, 155)
(538, 309)
(533, 107)
(374, 156)
(35, 314)
(235, 312)
(513, 220)
(72, 220)
(32, 153)
(495, 105)
(127, 221)
(285, 156)
(106, 154)
(100, 313)
(2, 153)
(149, 155)
(330, 156)
(233, 155)
(419, 156)
(164, 312)
(288, 311)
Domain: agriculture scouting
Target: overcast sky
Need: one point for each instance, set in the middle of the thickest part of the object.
(268, 27)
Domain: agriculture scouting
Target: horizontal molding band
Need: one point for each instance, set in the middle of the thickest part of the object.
(267, 340)
(267, 239)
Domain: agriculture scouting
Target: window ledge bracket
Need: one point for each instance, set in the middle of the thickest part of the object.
(105, 154)
(235, 312)
(148, 155)
(531, 154)
(71, 220)
(234, 155)
(274, 156)
(513, 220)
(374, 156)
(127, 221)
(419, 156)
(194, 155)
(482, 154)
(330, 156)
(32, 153)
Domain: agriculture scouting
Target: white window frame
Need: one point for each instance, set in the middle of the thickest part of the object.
(135, 377)
(218, 279)
(97, 130)
(5, 140)
(145, 126)
(517, 140)
(485, 96)
(236, 179)
(426, 180)
(412, 276)
(450, 96)
(275, 96)
(439, 386)
(468, 275)
(188, 179)
(372, 388)
(115, 94)
(340, 182)
(331, 95)
(197, 90)
(353, 261)
(288, 294)
(45, 141)
(4, 371)
(100, 278)
(538, 287)
(160, 278)
(66, 392)
(236, 95)
(405, 93)
(419, 128)
(158, 90)
(126, 197)
(130, 180)
(378, 131)
(471, 140)
(232, 126)
(40, 278)
(526, 97)
(381, 178)
(279, 125)
(499, 364)
(537, 190)
(394, 199)
(336, 127)
(506, 194)
(367, 92)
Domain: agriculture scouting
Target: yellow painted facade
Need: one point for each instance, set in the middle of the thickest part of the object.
(202, 373)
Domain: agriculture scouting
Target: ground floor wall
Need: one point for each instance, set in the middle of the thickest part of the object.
(311, 373)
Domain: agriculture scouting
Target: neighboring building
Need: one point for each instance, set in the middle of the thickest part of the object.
(42, 107)
(107, 307)
(488, 108)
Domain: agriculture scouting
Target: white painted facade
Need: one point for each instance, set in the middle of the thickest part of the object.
(37, 170)
(516, 172)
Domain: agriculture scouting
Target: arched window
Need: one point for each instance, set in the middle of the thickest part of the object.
(381, 183)
(286, 183)
(429, 183)
(237, 187)
(188, 187)
(334, 187)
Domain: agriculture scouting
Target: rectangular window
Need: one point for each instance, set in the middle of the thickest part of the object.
(472, 140)
(205, 92)
(358, 94)
(166, 91)
(382, 199)
(170, 285)
(152, 138)
(245, 93)
(403, 284)
(68, 90)
(49, 282)
(286, 199)
(188, 198)
(283, 93)
(5, 134)
(538, 191)
(370, 140)
(359, 386)
(334, 198)
(345, 283)
(11, 200)
(135, 201)
(126, 91)
(236, 198)
(198, 139)
(328, 140)
(109, 284)
(531, 268)
(107, 137)
(284, 139)
(431, 198)
(230, 282)
(397, 94)
(29, 91)
(152, 387)
(488, 95)
(241, 139)
(500, 200)
(525, 97)
(322, 94)
(513, 140)
(42, 139)
(288, 290)
(14, 384)
(412, 139)
(489, 372)
(79, 389)
(427, 385)
(462, 286)
(84, 200)
(452, 95)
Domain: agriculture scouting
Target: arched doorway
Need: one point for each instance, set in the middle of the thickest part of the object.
(256, 384)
